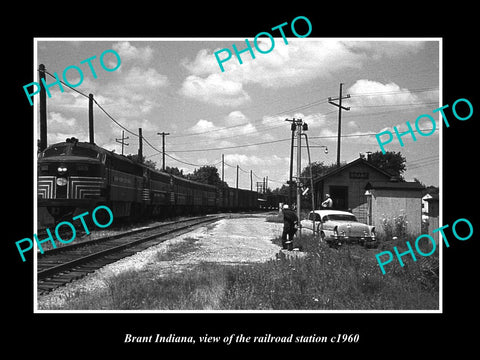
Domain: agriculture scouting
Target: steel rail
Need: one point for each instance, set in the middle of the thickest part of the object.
(73, 264)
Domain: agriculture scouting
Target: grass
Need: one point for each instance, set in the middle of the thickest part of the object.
(347, 278)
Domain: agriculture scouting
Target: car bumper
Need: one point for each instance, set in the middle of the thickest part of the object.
(367, 241)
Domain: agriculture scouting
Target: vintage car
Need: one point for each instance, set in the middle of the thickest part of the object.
(340, 227)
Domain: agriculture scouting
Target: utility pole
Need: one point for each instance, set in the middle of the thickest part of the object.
(163, 148)
(311, 182)
(140, 146)
(299, 171)
(293, 128)
(340, 107)
(298, 126)
(290, 187)
(43, 109)
(122, 141)
(237, 186)
(237, 178)
(251, 180)
(223, 167)
(90, 118)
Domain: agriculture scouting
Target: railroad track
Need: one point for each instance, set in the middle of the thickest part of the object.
(60, 266)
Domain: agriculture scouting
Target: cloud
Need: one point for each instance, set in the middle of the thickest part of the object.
(300, 61)
(236, 123)
(243, 159)
(390, 49)
(251, 160)
(129, 53)
(134, 94)
(204, 126)
(203, 64)
(215, 90)
(61, 127)
(366, 93)
(235, 118)
(145, 79)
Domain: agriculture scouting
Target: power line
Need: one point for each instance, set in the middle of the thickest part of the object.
(406, 91)
(231, 147)
(115, 121)
(319, 102)
(95, 101)
(268, 127)
(247, 123)
(46, 72)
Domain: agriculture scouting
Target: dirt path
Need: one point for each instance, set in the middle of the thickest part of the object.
(228, 241)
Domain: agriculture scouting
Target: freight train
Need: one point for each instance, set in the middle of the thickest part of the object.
(74, 177)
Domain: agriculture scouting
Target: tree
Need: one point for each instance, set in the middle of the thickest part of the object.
(207, 175)
(318, 169)
(149, 163)
(391, 162)
(175, 171)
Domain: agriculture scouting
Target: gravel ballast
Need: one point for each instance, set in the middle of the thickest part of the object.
(228, 241)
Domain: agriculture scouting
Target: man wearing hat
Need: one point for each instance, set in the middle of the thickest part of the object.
(289, 220)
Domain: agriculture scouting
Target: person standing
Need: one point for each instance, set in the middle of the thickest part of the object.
(289, 220)
(328, 202)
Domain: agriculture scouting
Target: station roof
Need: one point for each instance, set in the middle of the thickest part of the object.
(394, 185)
(360, 160)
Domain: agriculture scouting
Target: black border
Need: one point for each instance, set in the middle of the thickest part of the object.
(396, 333)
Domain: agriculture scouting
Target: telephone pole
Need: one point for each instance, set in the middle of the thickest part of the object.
(43, 109)
(297, 126)
(236, 192)
(122, 141)
(299, 171)
(223, 167)
(163, 148)
(340, 107)
(140, 146)
(90, 119)
(236, 182)
(251, 180)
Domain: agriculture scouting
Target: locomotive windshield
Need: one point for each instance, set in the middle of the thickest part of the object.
(62, 150)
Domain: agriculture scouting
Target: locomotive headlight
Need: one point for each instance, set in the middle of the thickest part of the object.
(62, 169)
(61, 181)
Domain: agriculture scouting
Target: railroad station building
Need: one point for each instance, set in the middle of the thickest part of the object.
(370, 193)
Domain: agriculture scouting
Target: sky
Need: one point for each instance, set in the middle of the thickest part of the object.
(175, 85)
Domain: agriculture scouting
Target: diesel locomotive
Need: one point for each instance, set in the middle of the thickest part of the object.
(74, 177)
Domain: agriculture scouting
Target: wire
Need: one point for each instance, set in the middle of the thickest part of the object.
(231, 147)
(181, 161)
(95, 101)
(115, 121)
(46, 72)
(406, 91)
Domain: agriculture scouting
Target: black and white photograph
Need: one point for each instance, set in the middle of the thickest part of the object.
(292, 169)
(226, 183)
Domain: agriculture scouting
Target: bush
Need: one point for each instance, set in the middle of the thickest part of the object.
(396, 226)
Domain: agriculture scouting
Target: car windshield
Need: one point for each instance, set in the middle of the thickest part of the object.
(312, 215)
(342, 217)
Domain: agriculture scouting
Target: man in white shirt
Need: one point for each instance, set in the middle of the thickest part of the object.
(328, 202)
